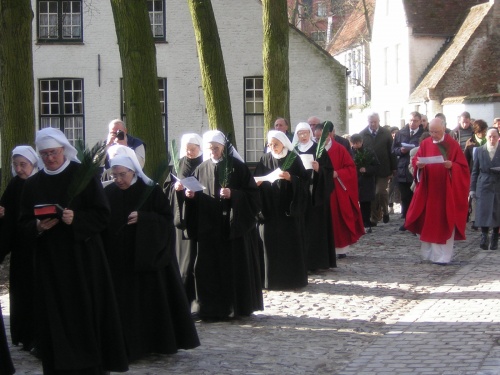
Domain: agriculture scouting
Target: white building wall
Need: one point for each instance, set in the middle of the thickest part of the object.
(390, 75)
(317, 81)
(483, 111)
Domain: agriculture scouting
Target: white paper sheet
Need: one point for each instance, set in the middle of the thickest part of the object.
(191, 183)
(431, 159)
(271, 177)
(407, 145)
(307, 160)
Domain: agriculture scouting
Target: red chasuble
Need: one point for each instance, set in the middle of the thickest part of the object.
(440, 201)
(346, 215)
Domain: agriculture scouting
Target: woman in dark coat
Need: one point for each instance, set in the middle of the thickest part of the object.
(21, 282)
(191, 155)
(281, 224)
(367, 166)
(78, 325)
(485, 187)
(139, 240)
(319, 237)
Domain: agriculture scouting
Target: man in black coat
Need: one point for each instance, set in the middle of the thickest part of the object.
(407, 136)
(379, 140)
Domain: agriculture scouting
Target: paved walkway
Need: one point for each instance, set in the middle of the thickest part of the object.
(382, 311)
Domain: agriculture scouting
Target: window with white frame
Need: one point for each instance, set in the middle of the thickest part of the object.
(156, 10)
(162, 91)
(322, 10)
(59, 20)
(61, 106)
(254, 118)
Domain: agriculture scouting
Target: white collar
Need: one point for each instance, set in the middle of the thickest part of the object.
(59, 170)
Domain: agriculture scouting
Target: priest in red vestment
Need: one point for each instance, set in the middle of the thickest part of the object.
(438, 211)
(346, 215)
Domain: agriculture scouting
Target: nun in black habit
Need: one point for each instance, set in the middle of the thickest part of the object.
(281, 224)
(153, 306)
(21, 272)
(222, 219)
(78, 325)
(190, 156)
(319, 237)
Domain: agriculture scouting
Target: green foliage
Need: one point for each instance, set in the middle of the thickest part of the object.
(362, 158)
(174, 154)
(91, 161)
(322, 142)
(289, 159)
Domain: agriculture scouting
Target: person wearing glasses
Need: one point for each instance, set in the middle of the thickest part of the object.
(22, 329)
(139, 243)
(190, 156)
(281, 221)
(78, 322)
(221, 218)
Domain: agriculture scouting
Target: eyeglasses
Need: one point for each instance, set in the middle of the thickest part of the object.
(46, 155)
(116, 176)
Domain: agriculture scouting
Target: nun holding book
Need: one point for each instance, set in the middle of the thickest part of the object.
(78, 325)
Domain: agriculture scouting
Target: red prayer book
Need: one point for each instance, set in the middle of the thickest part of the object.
(44, 211)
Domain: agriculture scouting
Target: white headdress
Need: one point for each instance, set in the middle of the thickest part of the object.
(130, 161)
(301, 126)
(28, 153)
(190, 138)
(53, 138)
(218, 137)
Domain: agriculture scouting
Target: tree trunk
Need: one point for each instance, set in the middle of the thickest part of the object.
(213, 71)
(17, 109)
(276, 67)
(140, 80)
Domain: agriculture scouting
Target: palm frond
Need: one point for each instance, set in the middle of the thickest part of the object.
(289, 159)
(174, 154)
(91, 160)
(322, 142)
(156, 177)
(225, 166)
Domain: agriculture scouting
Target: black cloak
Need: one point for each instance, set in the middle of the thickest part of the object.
(185, 249)
(227, 272)
(78, 321)
(21, 273)
(6, 366)
(155, 313)
(281, 224)
(318, 219)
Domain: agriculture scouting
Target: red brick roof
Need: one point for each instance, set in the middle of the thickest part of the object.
(354, 30)
(437, 17)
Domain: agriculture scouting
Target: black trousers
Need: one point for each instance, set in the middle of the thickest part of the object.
(406, 196)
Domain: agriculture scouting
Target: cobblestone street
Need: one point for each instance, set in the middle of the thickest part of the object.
(382, 311)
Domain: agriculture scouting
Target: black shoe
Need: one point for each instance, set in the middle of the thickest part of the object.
(402, 228)
(368, 230)
(494, 241)
(386, 218)
(341, 256)
(483, 244)
(373, 224)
